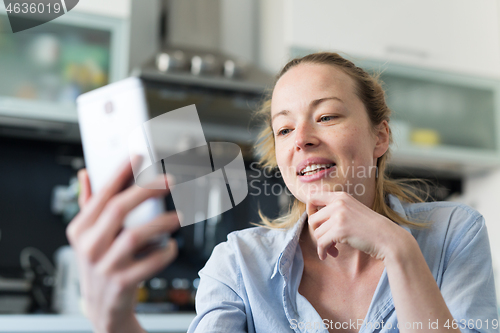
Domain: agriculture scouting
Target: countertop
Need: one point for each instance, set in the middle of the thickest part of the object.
(64, 323)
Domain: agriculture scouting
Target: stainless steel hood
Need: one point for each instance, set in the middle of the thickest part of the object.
(225, 90)
(205, 68)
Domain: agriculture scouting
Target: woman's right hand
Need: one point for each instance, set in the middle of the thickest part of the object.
(109, 273)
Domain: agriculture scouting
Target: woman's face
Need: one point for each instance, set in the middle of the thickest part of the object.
(323, 136)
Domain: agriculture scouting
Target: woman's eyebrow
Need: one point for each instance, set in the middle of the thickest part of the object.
(312, 105)
(316, 102)
(281, 113)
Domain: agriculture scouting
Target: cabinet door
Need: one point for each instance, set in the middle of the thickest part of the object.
(452, 35)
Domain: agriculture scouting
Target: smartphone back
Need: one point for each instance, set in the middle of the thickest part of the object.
(107, 116)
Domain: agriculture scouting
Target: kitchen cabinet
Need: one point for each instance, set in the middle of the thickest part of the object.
(441, 121)
(142, 20)
(458, 36)
(45, 68)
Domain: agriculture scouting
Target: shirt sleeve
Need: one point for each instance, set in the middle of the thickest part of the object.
(219, 308)
(468, 285)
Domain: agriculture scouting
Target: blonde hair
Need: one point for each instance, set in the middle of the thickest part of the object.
(371, 93)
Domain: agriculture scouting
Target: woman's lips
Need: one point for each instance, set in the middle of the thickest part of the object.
(310, 161)
(323, 173)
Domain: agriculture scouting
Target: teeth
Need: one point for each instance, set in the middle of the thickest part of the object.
(313, 168)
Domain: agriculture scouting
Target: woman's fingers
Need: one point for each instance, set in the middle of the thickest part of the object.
(325, 233)
(318, 200)
(114, 186)
(333, 251)
(327, 216)
(111, 219)
(310, 209)
(317, 218)
(93, 208)
(131, 240)
(85, 189)
(101, 235)
(325, 246)
(144, 268)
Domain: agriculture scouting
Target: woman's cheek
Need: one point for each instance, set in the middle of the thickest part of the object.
(294, 185)
(291, 182)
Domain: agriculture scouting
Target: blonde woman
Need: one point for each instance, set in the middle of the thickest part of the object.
(357, 252)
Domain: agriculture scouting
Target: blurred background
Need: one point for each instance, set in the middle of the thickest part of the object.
(439, 62)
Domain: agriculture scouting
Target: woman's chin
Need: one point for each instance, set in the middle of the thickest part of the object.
(320, 186)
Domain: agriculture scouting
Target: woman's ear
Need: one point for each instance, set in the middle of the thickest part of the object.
(382, 135)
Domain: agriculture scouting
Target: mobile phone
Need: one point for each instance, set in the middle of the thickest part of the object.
(107, 116)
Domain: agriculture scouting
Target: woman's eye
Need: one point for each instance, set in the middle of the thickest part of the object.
(284, 131)
(326, 118)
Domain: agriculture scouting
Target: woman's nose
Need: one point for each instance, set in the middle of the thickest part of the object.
(305, 137)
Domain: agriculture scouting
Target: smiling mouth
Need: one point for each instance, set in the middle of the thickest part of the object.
(315, 168)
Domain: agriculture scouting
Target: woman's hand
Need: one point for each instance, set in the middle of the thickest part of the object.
(109, 273)
(338, 218)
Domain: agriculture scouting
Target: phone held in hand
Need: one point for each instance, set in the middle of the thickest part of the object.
(107, 116)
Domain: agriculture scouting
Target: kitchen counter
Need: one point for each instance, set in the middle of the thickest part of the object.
(163, 323)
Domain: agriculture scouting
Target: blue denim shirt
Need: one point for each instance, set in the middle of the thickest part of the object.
(251, 281)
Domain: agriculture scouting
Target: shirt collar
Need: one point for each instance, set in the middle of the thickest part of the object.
(397, 206)
(291, 241)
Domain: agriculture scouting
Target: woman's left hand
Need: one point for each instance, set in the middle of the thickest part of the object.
(338, 218)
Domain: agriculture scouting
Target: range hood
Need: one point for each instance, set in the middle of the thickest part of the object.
(205, 68)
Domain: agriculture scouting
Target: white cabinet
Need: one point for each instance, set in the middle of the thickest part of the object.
(443, 122)
(85, 51)
(96, 43)
(451, 35)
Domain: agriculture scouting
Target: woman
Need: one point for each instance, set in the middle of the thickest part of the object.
(345, 257)
(354, 250)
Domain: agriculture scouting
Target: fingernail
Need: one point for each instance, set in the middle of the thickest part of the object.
(135, 160)
(170, 179)
(180, 216)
